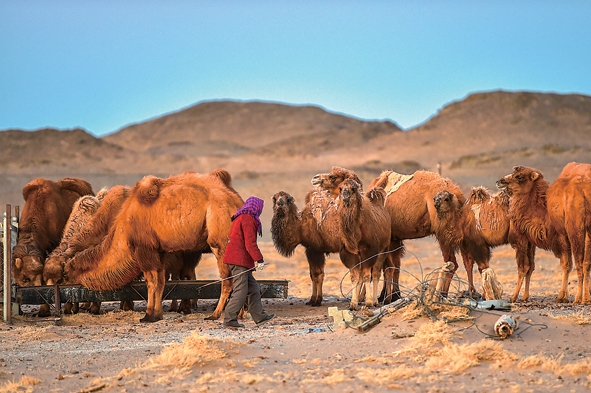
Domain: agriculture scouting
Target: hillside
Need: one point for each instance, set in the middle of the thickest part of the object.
(269, 147)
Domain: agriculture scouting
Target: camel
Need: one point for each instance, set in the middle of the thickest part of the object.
(179, 265)
(82, 210)
(412, 212)
(47, 207)
(289, 228)
(555, 217)
(183, 212)
(482, 217)
(492, 220)
(365, 227)
(317, 227)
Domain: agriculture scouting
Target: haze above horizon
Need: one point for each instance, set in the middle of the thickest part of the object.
(104, 65)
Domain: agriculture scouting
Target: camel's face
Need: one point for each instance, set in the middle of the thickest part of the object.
(28, 270)
(520, 181)
(444, 202)
(347, 189)
(331, 180)
(282, 202)
(327, 181)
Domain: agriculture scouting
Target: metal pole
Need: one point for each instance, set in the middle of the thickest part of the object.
(7, 265)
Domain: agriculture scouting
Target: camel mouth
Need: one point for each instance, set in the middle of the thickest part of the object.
(502, 185)
(316, 181)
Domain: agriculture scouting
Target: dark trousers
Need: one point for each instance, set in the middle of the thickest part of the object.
(245, 290)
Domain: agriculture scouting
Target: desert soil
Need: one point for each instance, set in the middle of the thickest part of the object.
(302, 351)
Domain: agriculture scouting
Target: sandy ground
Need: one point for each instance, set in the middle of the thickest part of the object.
(301, 351)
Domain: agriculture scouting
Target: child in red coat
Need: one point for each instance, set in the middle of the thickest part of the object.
(241, 253)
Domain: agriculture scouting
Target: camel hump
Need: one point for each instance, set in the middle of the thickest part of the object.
(76, 185)
(223, 175)
(377, 195)
(33, 186)
(147, 190)
(478, 195)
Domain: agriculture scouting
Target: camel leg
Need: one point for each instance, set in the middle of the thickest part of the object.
(95, 308)
(578, 244)
(227, 286)
(586, 299)
(531, 263)
(391, 289)
(155, 280)
(357, 288)
(44, 310)
(450, 256)
(566, 263)
(522, 261)
(126, 305)
(71, 308)
(316, 262)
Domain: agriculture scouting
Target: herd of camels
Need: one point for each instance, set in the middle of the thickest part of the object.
(159, 228)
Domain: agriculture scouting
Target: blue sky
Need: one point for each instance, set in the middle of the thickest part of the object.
(101, 65)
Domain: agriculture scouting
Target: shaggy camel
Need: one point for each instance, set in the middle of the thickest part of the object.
(555, 217)
(366, 236)
(82, 210)
(46, 210)
(492, 220)
(317, 227)
(180, 265)
(482, 217)
(184, 212)
(413, 214)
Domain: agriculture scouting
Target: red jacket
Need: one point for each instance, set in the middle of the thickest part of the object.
(242, 246)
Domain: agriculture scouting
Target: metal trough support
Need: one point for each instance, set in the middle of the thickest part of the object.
(187, 289)
(9, 229)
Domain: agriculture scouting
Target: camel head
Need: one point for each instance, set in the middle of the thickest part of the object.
(27, 265)
(286, 224)
(330, 181)
(445, 202)
(53, 271)
(520, 181)
(283, 204)
(349, 190)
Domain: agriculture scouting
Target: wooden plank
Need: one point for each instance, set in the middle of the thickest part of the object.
(188, 289)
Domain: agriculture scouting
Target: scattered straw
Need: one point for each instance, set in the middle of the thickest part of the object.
(24, 385)
(194, 350)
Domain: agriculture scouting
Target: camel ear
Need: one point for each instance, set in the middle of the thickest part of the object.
(18, 263)
(535, 175)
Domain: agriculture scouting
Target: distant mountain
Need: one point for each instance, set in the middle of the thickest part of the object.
(229, 128)
(269, 147)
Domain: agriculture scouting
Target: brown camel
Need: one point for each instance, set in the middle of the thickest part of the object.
(412, 212)
(317, 227)
(47, 207)
(82, 210)
(366, 236)
(180, 265)
(289, 228)
(555, 217)
(492, 220)
(184, 212)
(482, 217)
